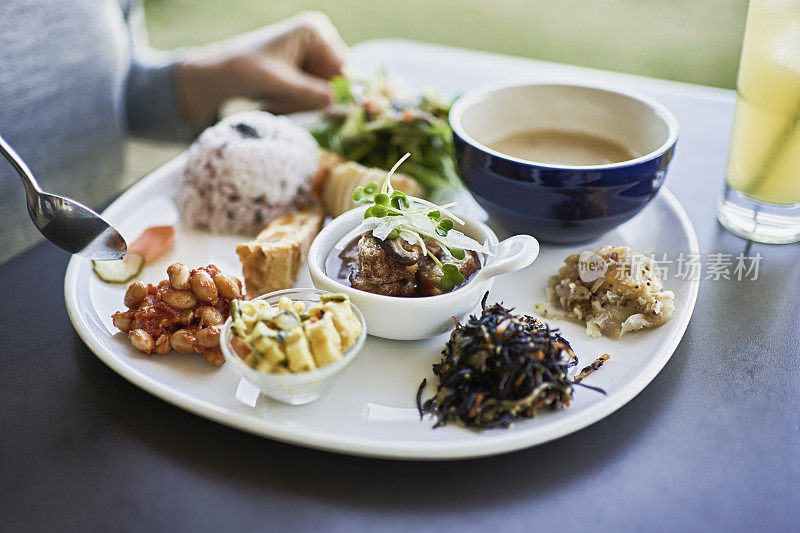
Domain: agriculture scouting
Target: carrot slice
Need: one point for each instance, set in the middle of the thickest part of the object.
(153, 242)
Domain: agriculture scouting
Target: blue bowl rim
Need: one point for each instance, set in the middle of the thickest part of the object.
(482, 92)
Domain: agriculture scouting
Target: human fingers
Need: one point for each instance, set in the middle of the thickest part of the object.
(280, 106)
(324, 50)
(288, 89)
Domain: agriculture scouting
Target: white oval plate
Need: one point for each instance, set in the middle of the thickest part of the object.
(371, 411)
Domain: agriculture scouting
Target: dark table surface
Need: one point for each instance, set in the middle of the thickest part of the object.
(713, 443)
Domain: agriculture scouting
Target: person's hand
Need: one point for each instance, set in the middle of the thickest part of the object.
(285, 65)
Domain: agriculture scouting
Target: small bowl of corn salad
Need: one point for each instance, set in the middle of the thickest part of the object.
(293, 344)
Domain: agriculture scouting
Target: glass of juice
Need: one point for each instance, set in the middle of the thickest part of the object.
(761, 200)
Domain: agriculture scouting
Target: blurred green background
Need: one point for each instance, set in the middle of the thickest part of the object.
(696, 41)
(688, 40)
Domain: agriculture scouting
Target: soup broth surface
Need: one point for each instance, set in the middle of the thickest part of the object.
(558, 147)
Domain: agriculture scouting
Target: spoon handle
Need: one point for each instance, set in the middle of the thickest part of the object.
(31, 185)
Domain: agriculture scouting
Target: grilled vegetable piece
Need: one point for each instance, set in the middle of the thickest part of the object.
(333, 184)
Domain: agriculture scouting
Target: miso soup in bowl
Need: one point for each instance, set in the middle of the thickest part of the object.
(562, 162)
(560, 147)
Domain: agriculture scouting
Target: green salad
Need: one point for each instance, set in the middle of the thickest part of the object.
(372, 124)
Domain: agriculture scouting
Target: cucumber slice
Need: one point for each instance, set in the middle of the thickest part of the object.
(120, 270)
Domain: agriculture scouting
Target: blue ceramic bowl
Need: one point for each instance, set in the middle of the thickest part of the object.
(561, 203)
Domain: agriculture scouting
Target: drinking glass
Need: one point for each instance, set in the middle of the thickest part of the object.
(761, 200)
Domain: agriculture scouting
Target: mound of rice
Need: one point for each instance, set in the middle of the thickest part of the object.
(243, 172)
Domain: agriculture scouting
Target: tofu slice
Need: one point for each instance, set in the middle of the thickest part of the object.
(273, 260)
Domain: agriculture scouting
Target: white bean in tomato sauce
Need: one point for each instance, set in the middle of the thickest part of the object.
(182, 313)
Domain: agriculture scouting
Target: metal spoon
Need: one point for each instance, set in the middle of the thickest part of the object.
(65, 222)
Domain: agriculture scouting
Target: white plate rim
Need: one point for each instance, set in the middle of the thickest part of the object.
(367, 447)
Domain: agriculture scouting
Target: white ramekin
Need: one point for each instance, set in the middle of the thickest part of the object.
(401, 318)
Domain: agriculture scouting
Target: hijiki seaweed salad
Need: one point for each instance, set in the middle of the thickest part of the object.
(499, 367)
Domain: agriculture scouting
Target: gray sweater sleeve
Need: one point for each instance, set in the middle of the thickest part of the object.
(151, 100)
